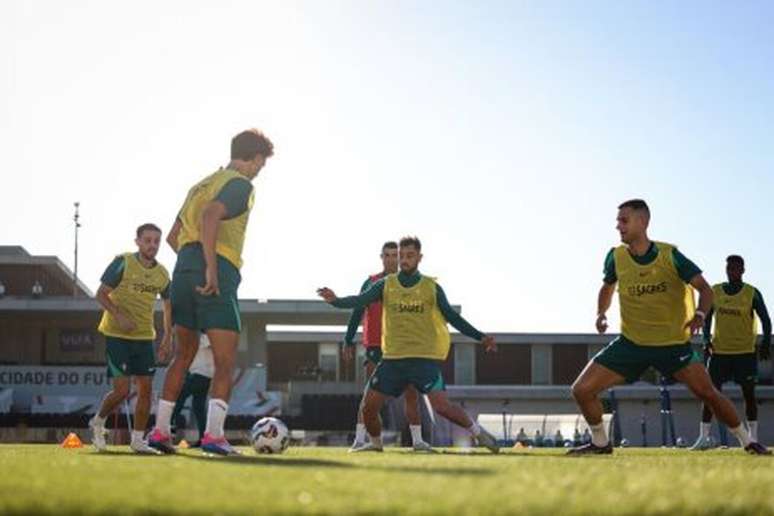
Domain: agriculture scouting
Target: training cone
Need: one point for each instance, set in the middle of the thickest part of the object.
(518, 445)
(72, 441)
(183, 444)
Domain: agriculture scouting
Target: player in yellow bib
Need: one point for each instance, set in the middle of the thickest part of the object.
(128, 292)
(208, 237)
(658, 318)
(730, 352)
(415, 340)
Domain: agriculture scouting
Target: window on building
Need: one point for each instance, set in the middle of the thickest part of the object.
(329, 361)
(568, 360)
(511, 365)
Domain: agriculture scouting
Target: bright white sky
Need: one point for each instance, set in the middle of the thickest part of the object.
(503, 134)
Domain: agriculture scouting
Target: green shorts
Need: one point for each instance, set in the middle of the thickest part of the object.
(126, 357)
(630, 360)
(196, 312)
(392, 376)
(742, 368)
(373, 355)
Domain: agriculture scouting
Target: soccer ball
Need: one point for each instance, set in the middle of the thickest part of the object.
(270, 435)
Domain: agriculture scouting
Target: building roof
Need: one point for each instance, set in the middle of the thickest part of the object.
(16, 262)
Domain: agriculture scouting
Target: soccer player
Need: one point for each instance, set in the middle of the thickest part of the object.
(731, 353)
(196, 386)
(371, 316)
(657, 320)
(208, 236)
(415, 339)
(127, 293)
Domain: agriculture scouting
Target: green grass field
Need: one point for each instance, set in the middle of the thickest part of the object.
(43, 479)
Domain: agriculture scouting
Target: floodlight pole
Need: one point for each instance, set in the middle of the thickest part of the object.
(77, 225)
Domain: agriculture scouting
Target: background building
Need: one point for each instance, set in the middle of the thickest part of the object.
(52, 361)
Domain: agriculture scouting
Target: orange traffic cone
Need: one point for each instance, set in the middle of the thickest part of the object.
(183, 444)
(72, 441)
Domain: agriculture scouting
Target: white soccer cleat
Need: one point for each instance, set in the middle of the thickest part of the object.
(488, 441)
(356, 445)
(422, 446)
(142, 448)
(98, 433)
(366, 447)
(702, 444)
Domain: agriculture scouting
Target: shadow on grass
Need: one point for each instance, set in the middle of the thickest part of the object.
(291, 462)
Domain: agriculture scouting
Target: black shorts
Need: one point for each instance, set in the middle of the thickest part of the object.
(742, 368)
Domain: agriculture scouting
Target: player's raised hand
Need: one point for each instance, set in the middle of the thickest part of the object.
(490, 346)
(601, 323)
(210, 287)
(327, 294)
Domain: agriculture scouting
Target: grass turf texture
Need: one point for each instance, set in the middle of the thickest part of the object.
(46, 479)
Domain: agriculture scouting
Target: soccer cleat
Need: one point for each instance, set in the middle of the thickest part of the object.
(488, 440)
(98, 433)
(591, 449)
(356, 445)
(142, 448)
(218, 446)
(702, 444)
(422, 446)
(366, 447)
(161, 442)
(757, 449)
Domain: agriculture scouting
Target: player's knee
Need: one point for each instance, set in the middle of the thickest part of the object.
(441, 405)
(143, 393)
(580, 392)
(369, 409)
(707, 393)
(121, 390)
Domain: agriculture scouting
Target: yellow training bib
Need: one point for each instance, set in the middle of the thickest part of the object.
(736, 328)
(655, 302)
(412, 324)
(231, 233)
(136, 296)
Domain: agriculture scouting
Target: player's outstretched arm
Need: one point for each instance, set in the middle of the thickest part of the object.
(706, 298)
(604, 299)
(459, 323)
(371, 295)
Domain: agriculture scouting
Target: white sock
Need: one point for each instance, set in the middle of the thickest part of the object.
(360, 433)
(416, 433)
(376, 440)
(753, 426)
(741, 433)
(163, 415)
(99, 421)
(598, 435)
(474, 429)
(704, 429)
(216, 417)
(137, 436)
